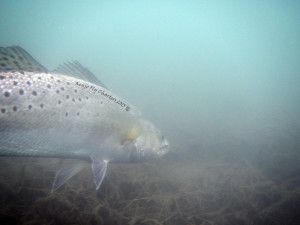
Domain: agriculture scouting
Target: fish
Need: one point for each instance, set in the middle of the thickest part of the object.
(69, 113)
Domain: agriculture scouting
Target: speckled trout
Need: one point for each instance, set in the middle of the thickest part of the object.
(69, 113)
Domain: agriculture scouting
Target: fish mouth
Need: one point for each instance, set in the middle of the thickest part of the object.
(164, 149)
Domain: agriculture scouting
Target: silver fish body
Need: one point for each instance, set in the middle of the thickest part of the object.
(45, 114)
(53, 114)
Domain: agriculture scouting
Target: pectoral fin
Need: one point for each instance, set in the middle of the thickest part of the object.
(68, 170)
(99, 168)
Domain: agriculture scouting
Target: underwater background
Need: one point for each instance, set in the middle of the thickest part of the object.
(221, 80)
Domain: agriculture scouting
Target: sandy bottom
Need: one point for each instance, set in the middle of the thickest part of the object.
(178, 190)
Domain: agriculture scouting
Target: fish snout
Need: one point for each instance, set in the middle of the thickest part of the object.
(164, 148)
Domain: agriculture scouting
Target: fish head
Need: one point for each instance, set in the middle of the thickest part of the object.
(150, 144)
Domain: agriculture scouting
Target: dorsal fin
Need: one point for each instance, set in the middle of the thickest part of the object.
(15, 58)
(77, 70)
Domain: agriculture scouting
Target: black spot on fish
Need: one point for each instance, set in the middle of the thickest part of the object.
(20, 58)
(15, 83)
(75, 91)
(22, 72)
(67, 96)
(39, 78)
(59, 102)
(3, 110)
(57, 91)
(48, 86)
(79, 99)
(21, 92)
(12, 56)
(73, 99)
(3, 64)
(68, 83)
(66, 114)
(15, 108)
(5, 58)
(101, 102)
(77, 113)
(87, 97)
(28, 82)
(2, 77)
(16, 63)
(34, 93)
(62, 88)
(6, 94)
(30, 107)
(42, 105)
(58, 81)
